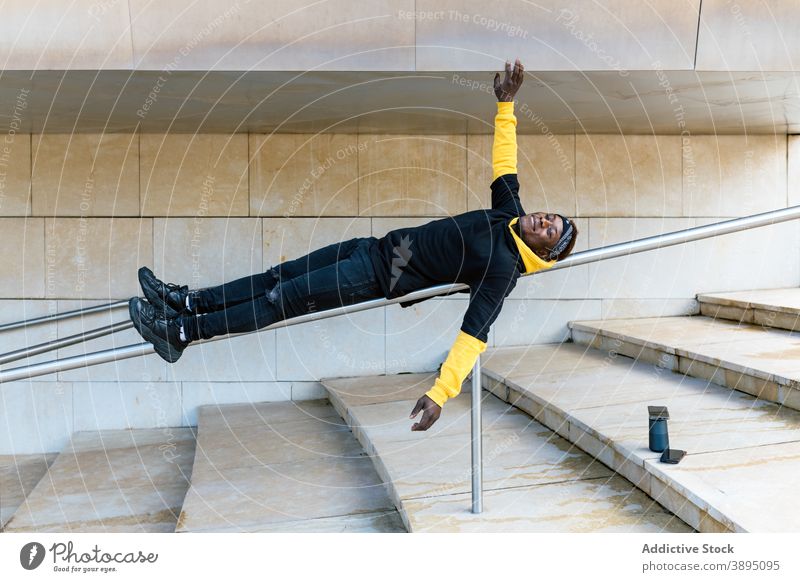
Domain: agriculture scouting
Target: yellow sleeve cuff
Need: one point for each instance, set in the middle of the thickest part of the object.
(456, 367)
(504, 149)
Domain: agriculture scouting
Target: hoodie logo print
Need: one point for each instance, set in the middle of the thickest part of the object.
(402, 255)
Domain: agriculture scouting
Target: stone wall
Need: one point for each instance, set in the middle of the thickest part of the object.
(80, 213)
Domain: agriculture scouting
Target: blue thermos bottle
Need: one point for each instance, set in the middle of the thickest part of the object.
(659, 436)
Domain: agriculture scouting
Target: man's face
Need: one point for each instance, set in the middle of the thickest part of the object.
(541, 231)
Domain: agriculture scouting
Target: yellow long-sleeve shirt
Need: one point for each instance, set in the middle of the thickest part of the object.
(466, 348)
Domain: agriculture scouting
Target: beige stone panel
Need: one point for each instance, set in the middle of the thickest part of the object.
(748, 36)
(525, 322)
(556, 35)
(759, 257)
(247, 358)
(304, 175)
(733, 175)
(51, 34)
(96, 258)
(15, 175)
(419, 337)
(412, 175)
(290, 35)
(24, 268)
(85, 174)
(35, 417)
(657, 274)
(201, 252)
(126, 405)
(628, 175)
(793, 160)
(286, 239)
(348, 345)
(545, 164)
(194, 175)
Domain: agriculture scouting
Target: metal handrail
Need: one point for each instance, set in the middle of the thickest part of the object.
(63, 315)
(64, 342)
(581, 258)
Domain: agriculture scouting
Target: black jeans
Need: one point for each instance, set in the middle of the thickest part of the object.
(333, 276)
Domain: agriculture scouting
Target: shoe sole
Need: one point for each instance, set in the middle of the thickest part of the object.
(162, 347)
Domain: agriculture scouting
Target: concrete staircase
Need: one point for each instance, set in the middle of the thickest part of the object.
(743, 444)
(534, 479)
(282, 467)
(742, 341)
(565, 444)
(111, 481)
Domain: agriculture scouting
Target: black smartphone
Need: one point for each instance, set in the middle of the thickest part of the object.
(672, 456)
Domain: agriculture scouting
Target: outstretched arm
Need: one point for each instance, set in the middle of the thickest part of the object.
(485, 304)
(504, 149)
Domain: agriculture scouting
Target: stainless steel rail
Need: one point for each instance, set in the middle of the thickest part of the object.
(62, 315)
(63, 342)
(582, 258)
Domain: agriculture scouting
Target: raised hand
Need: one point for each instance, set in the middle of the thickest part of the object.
(508, 87)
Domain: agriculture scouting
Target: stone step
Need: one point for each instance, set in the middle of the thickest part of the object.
(777, 308)
(743, 458)
(19, 474)
(534, 480)
(112, 481)
(282, 467)
(757, 360)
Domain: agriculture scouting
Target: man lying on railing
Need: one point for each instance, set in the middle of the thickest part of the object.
(484, 249)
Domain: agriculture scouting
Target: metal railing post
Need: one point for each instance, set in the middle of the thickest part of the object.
(477, 436)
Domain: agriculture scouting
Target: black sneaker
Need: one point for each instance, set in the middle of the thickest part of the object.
(166, 297)
(163, 333)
